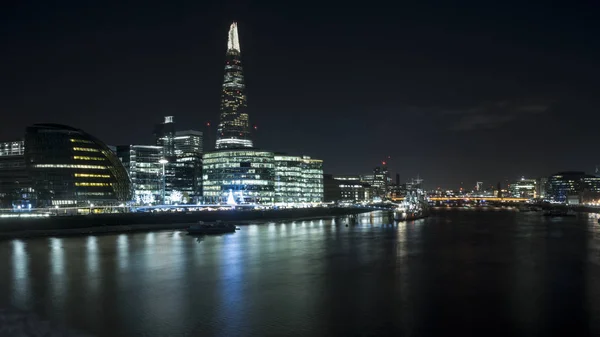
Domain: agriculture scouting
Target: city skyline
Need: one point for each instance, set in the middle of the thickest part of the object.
(455, 105)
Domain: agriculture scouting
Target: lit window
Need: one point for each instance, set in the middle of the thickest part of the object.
(85, 149)
(91, 167)
(87, 158)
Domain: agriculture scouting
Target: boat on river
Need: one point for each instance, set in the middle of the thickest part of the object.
(414, 206)
(202, 228)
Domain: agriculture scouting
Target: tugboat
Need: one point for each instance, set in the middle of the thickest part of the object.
(211, 228)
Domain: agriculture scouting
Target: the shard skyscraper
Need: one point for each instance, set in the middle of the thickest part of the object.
(234, 128)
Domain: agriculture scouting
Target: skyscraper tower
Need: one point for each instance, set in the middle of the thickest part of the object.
(234, 129)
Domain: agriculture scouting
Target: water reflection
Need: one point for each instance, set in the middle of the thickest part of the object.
(320, 278)
(123, 251)
(58, 276)
(92, 265)
(20, 271)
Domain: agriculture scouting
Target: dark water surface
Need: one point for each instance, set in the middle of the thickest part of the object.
(457, 273)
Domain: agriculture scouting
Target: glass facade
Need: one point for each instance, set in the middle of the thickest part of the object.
(70, 167)
(15, 184)
(565, 186)
(186, 167)
(381, 178)
(247, 173)
(145, 170)
(15, 148)
(234, 127)
(298, 179)
(165, 136)
(183, 171)
(352, 189)
(524, 188)
(188, 142)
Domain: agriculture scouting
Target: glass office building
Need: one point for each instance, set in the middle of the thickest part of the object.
(524, 188)
(234, 127)
(70, 167)
(245, 174)
(298, 179)
(15, 184)
(188, 142)
(312, 178)
(573, 185)
(142, 162)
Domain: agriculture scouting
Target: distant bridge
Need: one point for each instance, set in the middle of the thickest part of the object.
(486, 199)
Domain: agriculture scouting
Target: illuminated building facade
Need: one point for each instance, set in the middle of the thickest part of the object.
(72, 168)
(165, 136)
(186, 167)
(352, 189)
(379, 181)
(145, 170)
(183, 152)
(15, 184)
(245, 172)
(298, 179)
(524, 188)
(573, 186)
(188, 142)
(542, 183)
(234, 128)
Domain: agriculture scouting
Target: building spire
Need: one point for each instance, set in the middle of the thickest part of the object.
(233, 42)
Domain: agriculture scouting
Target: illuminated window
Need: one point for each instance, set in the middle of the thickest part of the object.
(87, 158)
(75, 140)
(73, 166)
(85, 149)
(91, 175)
(91, 184)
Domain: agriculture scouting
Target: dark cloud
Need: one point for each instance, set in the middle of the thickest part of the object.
(491, 115)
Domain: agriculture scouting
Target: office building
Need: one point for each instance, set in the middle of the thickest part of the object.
(15, 185)
(234, 127)
(523, 188)
(182, 151)
(165, 136)
(352, 189)
(298, 179)
(573, 187)
(246, 174)
(188, 142)
(541, 185)
(379, 181)
(142, 162)
(69, 167)
(187, 166)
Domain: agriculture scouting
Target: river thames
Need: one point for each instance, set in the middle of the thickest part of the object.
(475, 273)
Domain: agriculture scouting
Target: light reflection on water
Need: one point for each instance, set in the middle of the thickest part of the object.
(92, 259)
(319, 278)
(123, 251)
(20, 279)
(58, 277)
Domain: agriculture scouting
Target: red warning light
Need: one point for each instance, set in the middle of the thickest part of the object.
(207, 123)
(255, 127)
(383, 163)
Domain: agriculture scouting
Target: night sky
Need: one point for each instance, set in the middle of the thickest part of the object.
(481, 92)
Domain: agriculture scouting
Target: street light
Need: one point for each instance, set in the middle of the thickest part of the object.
(163, 161)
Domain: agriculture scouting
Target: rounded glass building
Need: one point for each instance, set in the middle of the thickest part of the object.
(69, 167)
(245, 174)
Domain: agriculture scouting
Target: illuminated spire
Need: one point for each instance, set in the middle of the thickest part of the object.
(233, 42)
